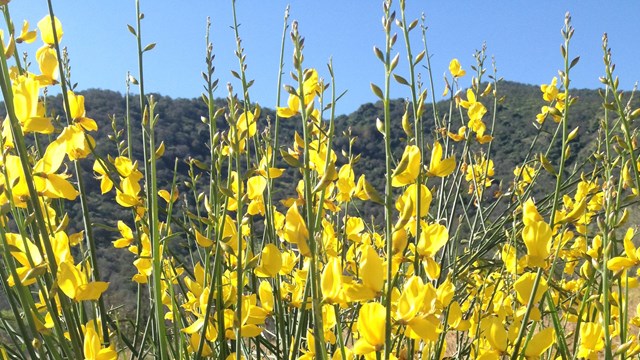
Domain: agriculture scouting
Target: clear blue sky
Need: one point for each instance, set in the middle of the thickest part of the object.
(524, 37)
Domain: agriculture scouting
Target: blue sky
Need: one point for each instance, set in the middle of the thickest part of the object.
(523, 36)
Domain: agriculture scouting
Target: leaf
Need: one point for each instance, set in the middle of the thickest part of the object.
(394, 62)
(149, 47)
(400, 79)
(377, 91)
(574, 62)
(378, 53)
(419, 57)
(132, 30)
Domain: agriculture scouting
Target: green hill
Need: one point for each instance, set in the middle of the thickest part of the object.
(185, 137)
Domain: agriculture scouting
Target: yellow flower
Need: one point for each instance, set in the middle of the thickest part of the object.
(78, 114)
(293, 106)
(26, 253)
(460, 136)
(455, 69)
(480, 173)
(550, 92)
(48, 65)
(524, 176)
(202, 240)
(26, 35)
(128, 196)
(371, 272)
(46, 30)
(471, 99)
(621, 263)
(47, 181)
(524, 288)
(74, 283)
(101, 174)
(295, 230)
(346, 184)
(537, 238)
(93, 349)
(591, 340)
(539, 343)
(409, 307)
(530, 214)
(28, 109)
(311, 86)
(255, 188)
(408, 167)
(331, 280)
(371, 328)
(438, 166)
(267, 301)
(77, 144)
(270, 262)
(127, 236)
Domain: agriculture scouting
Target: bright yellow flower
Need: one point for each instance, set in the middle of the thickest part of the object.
(77, 144)
(539, 343)
(74, 283)
(591, 340)
(438, 166)
(408, 167)
(455, 69)
(270, 262)
(265, 291)
(101, 174)
(407, 203)
(371, 327)
(168, 196)
(530, 214)
(537, 238)
(433, 237)
(264, 169)
(331, 280)
(28, 109)
(460, 136)
(26, 253)
(26, 35)
(550, 92)
(48, 65)
(255, 188)
(46, 30)
(47, 181)
(480, 173)
(409, 306)
(621, 263)
(78, 114)
(202, 240)
(371, 272)
(524, 288)
(293, 106)
(127, 236)
(93, 349)
(128, 194)
(311, 86)
(346, 184)
(295, 230)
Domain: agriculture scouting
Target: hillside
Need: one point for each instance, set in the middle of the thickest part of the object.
(185, 137)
